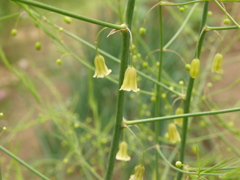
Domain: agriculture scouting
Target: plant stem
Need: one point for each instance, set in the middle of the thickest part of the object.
(166, 3)
(23, 163)
(222, 28)
(159, 126)
(120, 101)
(9, 16)
(190, 87)
(181, 4)
(141, 121)
(70, 14)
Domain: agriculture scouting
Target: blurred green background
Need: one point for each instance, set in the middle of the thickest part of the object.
(67, 135)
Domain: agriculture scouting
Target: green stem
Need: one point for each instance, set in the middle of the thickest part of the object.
(8, 16)
(204, 113)
(96, 40)
(181, 4)
(190, 87)
(159, 126)
(70, 14)
(166, 3)
(23, 163)
(221, 28)
(120, 101)
(120, 14)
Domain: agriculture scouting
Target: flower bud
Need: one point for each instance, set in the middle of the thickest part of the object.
(67, 19)
(209, 84)
(226, 21)
(38, 46)
(181, 9)
(187, 67)
(145, 65)
(217, 63)
(181, 83)
(59, 62)
(178, 164)
(60, 29)
(194, 148)
(142, 31)
(164, 95)
(209, 13)
(14, 32)
(195, 67)
(153, 98)
(122, 153)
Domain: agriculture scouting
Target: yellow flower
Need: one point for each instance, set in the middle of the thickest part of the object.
(122, 153)
(172, 135)
(178, 121)
(195, 67)
(217, 63)
(101, 68)
(139, 171)
(130, 80)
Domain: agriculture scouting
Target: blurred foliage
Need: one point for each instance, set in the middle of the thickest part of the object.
(67, 135)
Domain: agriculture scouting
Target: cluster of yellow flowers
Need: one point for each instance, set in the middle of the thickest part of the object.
(130, 76)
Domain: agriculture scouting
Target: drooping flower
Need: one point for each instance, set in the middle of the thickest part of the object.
(139, 172)
(101, 68)
(172, 135)
(217, 63)
(178, 121)
(195, 67)
(122, 152)
(130, 80)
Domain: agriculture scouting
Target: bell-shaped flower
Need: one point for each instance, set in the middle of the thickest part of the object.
(130, 80)
(217, 63)
(172, 135)
(139, 172)
(178, 121)
(101, 68)
(122, 152)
